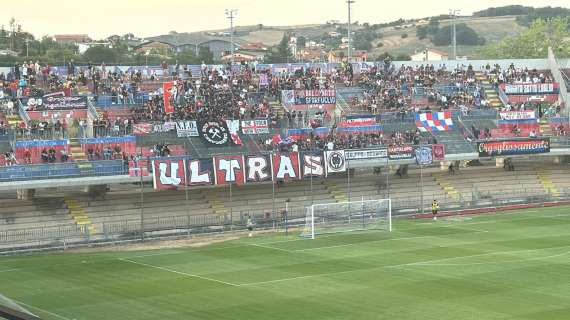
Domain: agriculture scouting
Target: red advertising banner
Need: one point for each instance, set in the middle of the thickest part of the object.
(438, 152)
(167, 96)
(229, 169)
(168, 174)
(313, 165)
(200, 172)
(258, 168)
(136, 168)
(286, 166)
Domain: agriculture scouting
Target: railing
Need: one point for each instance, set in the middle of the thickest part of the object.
(63, 170)
(91, 111)
(22, 112)
(105, 101)
(286, 218)
(503, 96)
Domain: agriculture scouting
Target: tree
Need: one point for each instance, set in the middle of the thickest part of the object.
(301, 42)
(404, 35)
(100, 54)
(205, 55)
(465, 36)
(422, 32)
(534, 42)
(402, 57)
(260, 27)
(281, 53)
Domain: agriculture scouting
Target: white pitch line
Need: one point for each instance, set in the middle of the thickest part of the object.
(418, 263)
(428, 263)
(9, 270)
(359, 243)
(42, 310)
(180, 272)
(272, 248)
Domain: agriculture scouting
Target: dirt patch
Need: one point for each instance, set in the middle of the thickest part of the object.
(158, 244)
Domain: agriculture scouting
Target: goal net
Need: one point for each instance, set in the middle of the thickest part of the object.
(348, 216)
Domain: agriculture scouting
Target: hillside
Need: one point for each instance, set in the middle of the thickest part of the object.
(491, 28)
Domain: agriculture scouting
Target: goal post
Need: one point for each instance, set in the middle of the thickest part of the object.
(348, 216)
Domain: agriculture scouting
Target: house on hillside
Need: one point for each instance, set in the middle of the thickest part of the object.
(357, 56)
(313, 55)
(219, 48)
(242, 57)
(430, 55)
(72, 38)
(82, 47)
(159, 47)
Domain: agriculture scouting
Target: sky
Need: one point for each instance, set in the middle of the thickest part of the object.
(102, 18)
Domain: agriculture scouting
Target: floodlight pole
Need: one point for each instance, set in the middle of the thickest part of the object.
(349, 58)
(273, 193)
(231, 14)
(453, 13)
(142, 199)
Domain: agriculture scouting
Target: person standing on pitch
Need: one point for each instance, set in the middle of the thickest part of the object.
(250, 226)
(434, 208)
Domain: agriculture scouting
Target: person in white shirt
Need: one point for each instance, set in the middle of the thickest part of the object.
(532, 134)
(295, 147)
(330, 146)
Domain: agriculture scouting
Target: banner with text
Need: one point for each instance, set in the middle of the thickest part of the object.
(513, 147)
(298, 100)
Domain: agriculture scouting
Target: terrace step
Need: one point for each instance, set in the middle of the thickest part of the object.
(76, 151)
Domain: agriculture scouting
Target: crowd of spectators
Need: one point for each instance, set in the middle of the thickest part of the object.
(411, 88)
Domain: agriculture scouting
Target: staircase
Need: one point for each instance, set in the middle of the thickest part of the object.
(76, 151)
(217, 206)
(480, 76)
(444, 183)
(544, 128)
(493, 98)
(547, 184)
(13, 120)
(336, 192)
(78, 215)
(277, 108)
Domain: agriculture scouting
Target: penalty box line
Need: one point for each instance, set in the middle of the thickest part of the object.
(179, 272)
(403, 265)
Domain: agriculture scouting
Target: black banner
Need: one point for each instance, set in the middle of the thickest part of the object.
(215, 133)
(62, 103)
(513, 147)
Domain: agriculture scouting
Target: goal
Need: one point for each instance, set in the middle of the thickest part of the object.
(348, 216)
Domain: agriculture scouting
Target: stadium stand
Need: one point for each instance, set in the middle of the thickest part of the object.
(109, 114)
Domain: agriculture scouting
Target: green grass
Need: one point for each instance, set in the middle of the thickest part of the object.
(504, 266)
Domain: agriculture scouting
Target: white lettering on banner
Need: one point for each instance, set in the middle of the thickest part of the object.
(285, 168)
(167, 126)
(312, 165)
(195, 176)
(173, 178)
(517, 115)
(365, 154)
(229, 166)
(529, 88)
(187, 129)
(254, 127)
(257, 167)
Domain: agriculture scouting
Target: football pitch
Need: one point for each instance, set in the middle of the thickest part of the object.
(513, 265)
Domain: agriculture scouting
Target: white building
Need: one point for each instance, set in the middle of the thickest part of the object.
(82, 47)
(430, 55)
